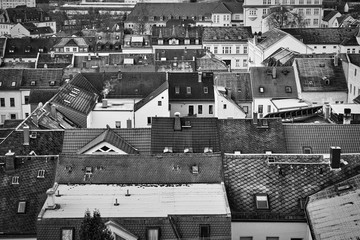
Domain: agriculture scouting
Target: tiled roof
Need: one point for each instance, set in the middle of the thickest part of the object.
(37, 30)
(184, 80)
(234, 7)
(333, 213)
(83, 42)
(354, 59)
(28, 47)
(137, 169)
(109, 136)
(286, 181)
(271, 37)
(11, 123)
(314, 74)
(238, 83)
(41, 95)
(2, 46)
(58, 61)
(221, 8)
(10, 79)
(155, 93)
(179, 54)
(227, 34)
(175, 31)
(75, 139)
(202, 133)
(320, 137)
(245, 136)
(210, 63)
(273, 87)
(42, 78)
(84, 83)
(26, 13)
(322, 35)
(329, 16)
(30, 189)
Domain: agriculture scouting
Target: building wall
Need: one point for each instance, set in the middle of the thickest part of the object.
(221, 20)
(7, 111)
(349, 49)
(324, 48)
(331, 22)
(51, 24)
(319, 98)
(157, 107)
(227, 109)
(25, 107)
(183, 108)
(19, 31)
(353, 82)
(265, 103)
(5, 28)
(261, 230)
(13, 3)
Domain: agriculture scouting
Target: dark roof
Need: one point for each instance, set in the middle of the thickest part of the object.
(184, 80)
(2, 46)
(354, 59)
(58, 61)
(329, 16)
(270, 37)
(238, 83)
(176, 31)
(33, 30)
(41, 95)
(137, 169)
(314, 72)
(322, 35)
(76, 139)
(320, 137)
(41, 78)
(285, 181)
(11, 123)
(26, 14)
(227, 34)
(179, 54)
(28, 47)
(30, 189)
(196, 133)
(234, 7)
(10, 79)
(245, 136)
(155, 93)
(273, 87)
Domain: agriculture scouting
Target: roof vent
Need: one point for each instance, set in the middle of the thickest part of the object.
(188, 150)
(32, 83)
(168, 150)
(52, 83)
(195, 169)
(33, 135)
(208, 150)
(322, 65)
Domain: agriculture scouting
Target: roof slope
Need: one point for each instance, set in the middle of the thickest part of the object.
(238, 83)
(228, 34)
(202, 133)
(42, 77)
(242, 135)
(320, 137)
(137, 169)
(329, 16)
(10, 76)
(271, 37)
(155, 93)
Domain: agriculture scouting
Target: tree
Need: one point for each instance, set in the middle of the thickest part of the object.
(93, 228)
(283, 17)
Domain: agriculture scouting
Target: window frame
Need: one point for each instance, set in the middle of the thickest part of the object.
(202, 226)
(148, 229)
(2, 102)
(211, 109)
(177, 90)
(41, 173)
(256, 201)
(15, 180)
(12, 102)
(206, 89)
(72, 237)
(307, 148)
(200, 109)
(24, 208)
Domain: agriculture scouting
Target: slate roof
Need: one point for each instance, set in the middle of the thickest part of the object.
(11, 123)
(58, 61)
(354, 59)
(329, 16)
(41, 95)
(228, 34)
(28, 47)
(155, 93)
(8, 76)
(333, 212)
(180, 54)
(270, 37)
(42, 78)
(75, 139)
(238, 83)
(285, 181)
(184, 80)
(2, 46)
(312, 71)
(245, 136)
(137, 169)
(273, 87)
(202, 133)
(175, 31)
(320, 137)
(30, 189)
(315, 36)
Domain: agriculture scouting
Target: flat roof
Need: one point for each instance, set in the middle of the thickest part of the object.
(117, 104)
(339, 108)
(145, 200)
(286, 104)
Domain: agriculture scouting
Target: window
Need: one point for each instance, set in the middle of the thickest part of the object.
(215, 49)
(244, 63)
(261, 201)
(288, 89)
(264, 11)
(191, 110)
(21, 207)
(15, 180)
(237, 62)
(316, 11)
(118, 124)
(12, 102)
(301, 1)
(159, 103)
(13, 116)
(269, 108)
(67, 234)
(153, 234)
(149, 120)
(260, 108)
(200, 109)
(188, 90)
(224, 106)
(308, 11)
(226, 50)
(272, 238)
(41, 173)
(211, 109)
(301, 11)
(316, 22)
(26, 99)
(261, 89)
(204, 232)
(245, 50)
(206, 90)
(350, 88)
(177, 90)
(2, 102)
(252, 12)
(316, 2)
(348, 50)
(13, 84)
(308, 1)
(292, 1)
(246, 238)
(355, 72)
(307, 150)
(245, 108)
(237, 49)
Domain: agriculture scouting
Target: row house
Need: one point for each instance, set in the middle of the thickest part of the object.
(229, 44)
(255, 10)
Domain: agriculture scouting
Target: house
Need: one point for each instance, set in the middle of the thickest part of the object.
(255, 10)
(75, 45)
(230, 44)
(12, 4)
(347, 21)
(210, 63)
(273, 84)
(267, 193)
(262, 46)
(188, 200)
(344, 113)
(30, 30)
(225, 106)
(320, 81)
(137, 44)
(352, 64)
(329, 20)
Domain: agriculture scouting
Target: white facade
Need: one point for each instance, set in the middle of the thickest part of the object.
(262, 230)
(5, 28)
(263, 106)
(221, 20)
(353, 78)
(332, 22)
(225, 108)
(199, 109)
(51, 24)
(12, 105)
(13, 3)
(25, 106)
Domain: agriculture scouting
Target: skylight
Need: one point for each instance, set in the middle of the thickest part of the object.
(261, 201)
(21, 207)
(15, 180)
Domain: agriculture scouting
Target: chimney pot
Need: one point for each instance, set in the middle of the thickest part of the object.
(104, 103)
(10, 161)
(335, 155)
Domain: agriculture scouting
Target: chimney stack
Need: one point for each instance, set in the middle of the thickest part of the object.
(347, 116)
(53, 112)
(177, 122)
(255, 39)
(199, 77)
(50, 202)
(104, 103)
(274, 72)
(10, 161)
(255, 120)
(335, 154)
(336, 60)
(89, 57)
(26, 130)
(326, 111)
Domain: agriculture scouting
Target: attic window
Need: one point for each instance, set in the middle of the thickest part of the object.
(13, 84)
(261, 89)
(288, 89)
(261, 201)
(32, 83)
(0, 84)
(21, 207)
(52, 83)
(206, 90)
(15, 180)
(168, 150)
(188, 90)
(307, 150)
(41, 173)
(105, 149)
(177, 90)
(195, 169)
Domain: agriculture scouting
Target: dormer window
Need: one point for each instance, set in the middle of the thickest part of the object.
(288, 89)
(41, 173)
(15, 180)
(13, 84)
(177, 90)
(261, 201)
(41, 50)
(195, 169)
(188, 90)
(206, 90)
(21, 207)
(88, 170)
(261, 89)
(52, 83)
(32, 83)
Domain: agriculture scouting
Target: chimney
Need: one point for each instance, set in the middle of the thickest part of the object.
(10, 161)
(167, 75)
(255, 120)
(335, 154)
(26, 134)
(326, 111)
(255, 39)
(274, 72)
(336, 60)
(104, 103)
(199, 77)
(347, 116)
(177, 122)
(89, 57)
(53, 111)
(50, 202)
(119, 76)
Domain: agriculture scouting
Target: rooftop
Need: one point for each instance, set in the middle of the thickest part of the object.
(238, 83)
(228, 34)
(354, 59)
(270, 37)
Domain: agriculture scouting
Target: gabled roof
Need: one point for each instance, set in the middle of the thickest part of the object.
(155, 93)
(28, 47)
(10, 79)
(261, 77)
(109, 136)
(221, 8)
(73, 41)
(333, 212)
(245, 136)
(270, 37)
(320, 75)
(33, 29)
(238, 83)
(42, 78)
(196, 133)
(210, 63)
(320, 137)
(138, 169)
(286, 179)
(330, 15)
(227, 34)
(76, 139)
(180, 54)
(234, 7)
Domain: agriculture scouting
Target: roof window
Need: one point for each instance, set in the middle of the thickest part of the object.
(288, 89)
(32, 83)
(261, 89)
(168, 150)
(195, 169)
(52, 83)
(21, 207)
(15, 180)
(261, 201)
(41, 173)
(206, 90)
(13, 84)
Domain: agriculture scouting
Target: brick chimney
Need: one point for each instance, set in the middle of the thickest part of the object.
(50, 202)
(26, 130)
(255, 119)
(9, 161)
(199, 77)
(177, 122)
(274, 72)
(335, 155)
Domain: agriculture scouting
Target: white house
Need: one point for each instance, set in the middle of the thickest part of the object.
(352, 63)
(225, 107)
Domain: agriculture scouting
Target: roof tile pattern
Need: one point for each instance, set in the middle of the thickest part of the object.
(228, 34)
(238, 83)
